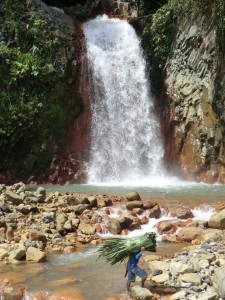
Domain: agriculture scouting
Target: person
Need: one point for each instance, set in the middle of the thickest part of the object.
(133, 270)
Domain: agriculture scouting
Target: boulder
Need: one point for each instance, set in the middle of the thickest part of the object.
(155, 212)
(188, 234)
(87, 229)
(166, 227)
(35, 255)
(124, 221)
(114, 226)
(68, 226)
(80, 208)
(14, 198)
(93, 201)
(134, 204)
(37, 236)
(212, 235)
(191, 278)
(181, 213)
(159, 265)
(3, 254)
(139, 293)
(148, 204)
(18, 254)
(161, 278)
(217, 221)
(133, 196)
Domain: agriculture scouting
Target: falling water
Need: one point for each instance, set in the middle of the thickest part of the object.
(125, 138)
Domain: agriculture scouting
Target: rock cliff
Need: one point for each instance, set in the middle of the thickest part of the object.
(195, 88)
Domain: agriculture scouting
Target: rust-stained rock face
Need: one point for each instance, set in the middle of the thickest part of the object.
(195, 133)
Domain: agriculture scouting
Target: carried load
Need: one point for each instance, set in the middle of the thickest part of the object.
(117, 249)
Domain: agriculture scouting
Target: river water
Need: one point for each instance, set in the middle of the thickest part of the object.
(93, 279)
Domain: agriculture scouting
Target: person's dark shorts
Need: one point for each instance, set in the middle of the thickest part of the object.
(136, 272)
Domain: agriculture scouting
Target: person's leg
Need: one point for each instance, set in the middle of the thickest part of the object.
(130, 278)
(142, 274)
(143, 282)
(128, 285)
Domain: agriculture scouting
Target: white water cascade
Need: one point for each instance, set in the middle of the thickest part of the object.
(126, 144)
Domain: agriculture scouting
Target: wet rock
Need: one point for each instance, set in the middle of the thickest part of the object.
(155, 212)
(166, 227)
(124, 221)
(148, 204)
(136, 224)
(133, 196)
(181, 213)
(171, 239)
(144, 220)
(114, 226)
(102, 202)
(134, 204)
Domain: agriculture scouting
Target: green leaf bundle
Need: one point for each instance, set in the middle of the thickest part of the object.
(117, 249)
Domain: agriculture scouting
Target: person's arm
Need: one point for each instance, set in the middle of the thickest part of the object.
(138, 256)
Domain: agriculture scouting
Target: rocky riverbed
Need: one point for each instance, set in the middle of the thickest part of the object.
(34, 223)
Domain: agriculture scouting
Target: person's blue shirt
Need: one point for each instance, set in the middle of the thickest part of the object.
(133, 260)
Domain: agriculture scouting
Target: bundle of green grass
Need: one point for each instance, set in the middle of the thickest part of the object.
(116, 250)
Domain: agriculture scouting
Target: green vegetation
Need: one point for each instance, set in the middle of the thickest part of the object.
(33, 72)
(161, 25)
(116, 250)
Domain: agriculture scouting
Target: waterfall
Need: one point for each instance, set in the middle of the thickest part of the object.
(125, 134)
